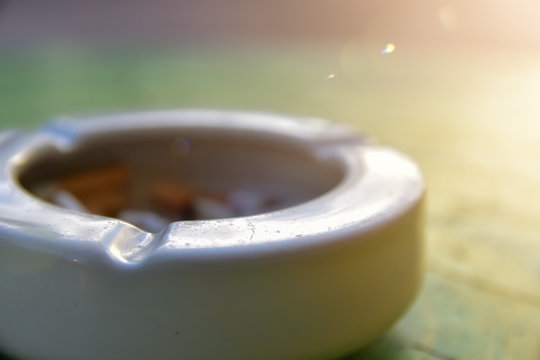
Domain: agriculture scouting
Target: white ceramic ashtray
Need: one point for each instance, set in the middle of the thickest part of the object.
(203, 235)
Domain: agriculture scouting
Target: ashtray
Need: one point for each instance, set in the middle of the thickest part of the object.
(201, 234)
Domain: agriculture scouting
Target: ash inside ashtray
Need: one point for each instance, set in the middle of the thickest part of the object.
(104, 191)
(153, 178)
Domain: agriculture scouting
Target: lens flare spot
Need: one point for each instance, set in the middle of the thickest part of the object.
(331, 76)
(389, 48)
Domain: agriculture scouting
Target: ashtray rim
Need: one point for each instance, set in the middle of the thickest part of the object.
(379, 186)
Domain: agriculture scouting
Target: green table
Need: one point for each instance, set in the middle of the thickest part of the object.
(470, 118)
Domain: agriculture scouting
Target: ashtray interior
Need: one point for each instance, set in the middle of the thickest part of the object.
(152, 178)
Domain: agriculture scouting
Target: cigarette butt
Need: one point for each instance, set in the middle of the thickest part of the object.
(172, 195)
(95, 180)
(246, 202)
(207, 208)
(107, 203)
(68, 201)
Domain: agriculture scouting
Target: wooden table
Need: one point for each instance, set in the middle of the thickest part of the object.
(471, 119)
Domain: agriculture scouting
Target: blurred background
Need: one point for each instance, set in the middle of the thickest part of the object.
(455, 84)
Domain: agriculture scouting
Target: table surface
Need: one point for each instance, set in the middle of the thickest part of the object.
(470, 118)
